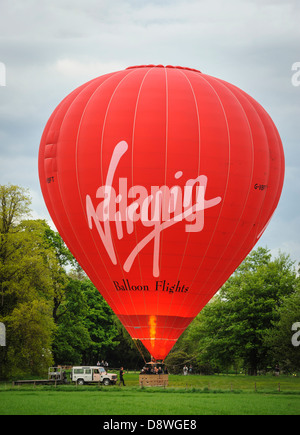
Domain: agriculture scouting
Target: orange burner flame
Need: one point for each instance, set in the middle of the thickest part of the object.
(152, 332)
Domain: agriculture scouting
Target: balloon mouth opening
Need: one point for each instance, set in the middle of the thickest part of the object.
(163, 66)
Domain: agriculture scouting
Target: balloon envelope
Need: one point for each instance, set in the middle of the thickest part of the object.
(160, 180)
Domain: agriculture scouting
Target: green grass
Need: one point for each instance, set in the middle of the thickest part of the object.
(191, 395)
(240, 382)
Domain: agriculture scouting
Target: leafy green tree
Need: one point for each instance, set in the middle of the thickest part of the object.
(99, 321)
(86, 328)
(14, 206)
(278, 339)
(57, 268)
(62, 253)
(176, 360)
(48, 313)
(25, 286)
(232, 327)
(30, 333)
(72, 337)
(209, 337)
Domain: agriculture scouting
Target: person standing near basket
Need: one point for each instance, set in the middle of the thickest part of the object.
(122, 377)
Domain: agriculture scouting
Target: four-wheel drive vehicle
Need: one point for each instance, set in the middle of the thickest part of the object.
(87, 375)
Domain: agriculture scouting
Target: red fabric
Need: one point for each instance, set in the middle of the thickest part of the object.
(159, 247)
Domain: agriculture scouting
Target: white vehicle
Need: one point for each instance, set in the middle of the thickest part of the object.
(87, 375)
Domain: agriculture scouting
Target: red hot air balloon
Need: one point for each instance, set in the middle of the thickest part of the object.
(160, 180)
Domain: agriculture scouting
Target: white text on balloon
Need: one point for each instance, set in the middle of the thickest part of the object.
(161, 209)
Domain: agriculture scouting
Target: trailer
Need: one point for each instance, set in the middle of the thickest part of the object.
(56, 376)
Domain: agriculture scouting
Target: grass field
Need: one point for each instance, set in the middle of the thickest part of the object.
(191, 395)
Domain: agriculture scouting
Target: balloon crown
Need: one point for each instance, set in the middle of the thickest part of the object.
(162, 66)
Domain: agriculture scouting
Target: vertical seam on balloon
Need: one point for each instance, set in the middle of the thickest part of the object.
(57, 110)
(78, 183)
(116, 252)
(226, 188)
(58, 180)
(276, 198)
(78, 187)
(265, 194)
(278, 187)
(249, 188)
(108, 296)
(42, 170)
(227, 182)
(166, 166)
(166, 152)
(188, 237)
(59, 184)
(132, 148)
(282, 167)
(103, 128)
(132, 165)
(199, 142)
(246, 236)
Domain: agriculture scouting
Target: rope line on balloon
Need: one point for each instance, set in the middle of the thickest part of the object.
(165, 170)
(58, 180)
(137, 342)
(132, 175)
(190, 86)
(227, 179)
(279, 181)
(249, 188)
(77, 173)
(101, 148)
(166, 164)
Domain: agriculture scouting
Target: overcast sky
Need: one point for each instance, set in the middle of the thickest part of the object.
(50, 47)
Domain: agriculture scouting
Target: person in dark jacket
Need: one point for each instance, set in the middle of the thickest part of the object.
(122, 377)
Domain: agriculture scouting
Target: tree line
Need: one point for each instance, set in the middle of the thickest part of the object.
(248, 325)
(54, 315)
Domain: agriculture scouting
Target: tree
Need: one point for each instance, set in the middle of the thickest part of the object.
(208, 338)
(63, 258)
(86, 329)
(278, 339)
(30, 330)
(232, 327)
(25, 285)
(99, 320)
(48, 314)
(72, 337)
(14, 203)
(14, 206)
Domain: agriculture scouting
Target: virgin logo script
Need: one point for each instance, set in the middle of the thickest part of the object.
(159, 209)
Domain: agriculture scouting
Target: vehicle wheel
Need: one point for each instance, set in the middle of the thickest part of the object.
(106, 381)
(80, 382)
